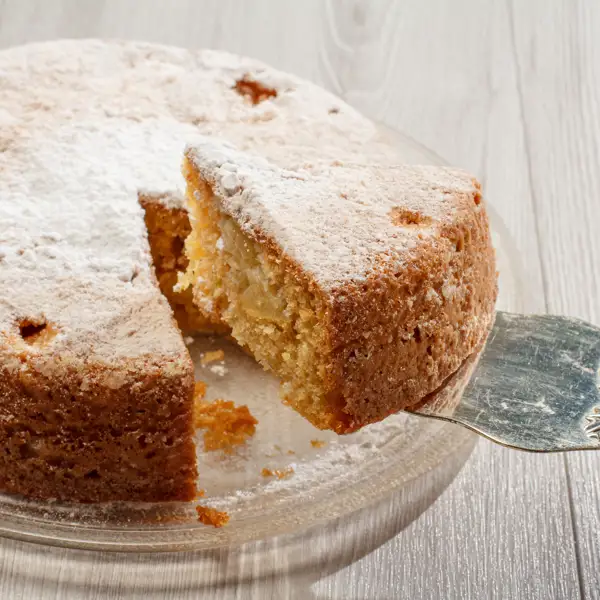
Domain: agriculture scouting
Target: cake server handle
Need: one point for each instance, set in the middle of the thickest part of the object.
(534, 387)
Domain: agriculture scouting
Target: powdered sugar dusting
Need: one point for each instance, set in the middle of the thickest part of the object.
(86, 127)
(220, 370)
(82, 184)
(332, 218)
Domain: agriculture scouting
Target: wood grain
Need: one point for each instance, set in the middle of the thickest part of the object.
(559, 65)
(505, 90)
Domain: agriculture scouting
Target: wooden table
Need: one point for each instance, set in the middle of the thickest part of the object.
(507, 89)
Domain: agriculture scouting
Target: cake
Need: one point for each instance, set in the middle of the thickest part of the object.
(96, 384)
(362, 287)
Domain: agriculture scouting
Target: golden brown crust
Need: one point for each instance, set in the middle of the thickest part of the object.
(391, 340)
(71, 437)
(399, 336)
(79, 425)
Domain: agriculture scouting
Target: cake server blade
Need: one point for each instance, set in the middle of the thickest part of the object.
(534, 387)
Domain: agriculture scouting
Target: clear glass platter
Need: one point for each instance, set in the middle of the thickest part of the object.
(331, 476)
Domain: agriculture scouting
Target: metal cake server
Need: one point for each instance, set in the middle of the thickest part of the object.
(534, 387)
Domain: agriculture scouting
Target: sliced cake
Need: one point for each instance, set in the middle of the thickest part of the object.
(362, 287)
(96, 383)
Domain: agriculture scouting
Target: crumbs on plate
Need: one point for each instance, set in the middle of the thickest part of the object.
(212, 356)
(199, 390)
(225, 425)
(212, 516)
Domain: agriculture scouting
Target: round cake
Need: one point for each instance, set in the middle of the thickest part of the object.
(96, 385)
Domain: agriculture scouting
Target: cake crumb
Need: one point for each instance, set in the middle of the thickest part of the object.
(225, 424)
(317, 443)
(200, 493)
(199, 390)
(279, 473)
(278, 451)
(212, 516)
(212, 356)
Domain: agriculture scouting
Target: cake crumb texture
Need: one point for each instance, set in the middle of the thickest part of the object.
(212, 516)
(225, 424)
(168, 226)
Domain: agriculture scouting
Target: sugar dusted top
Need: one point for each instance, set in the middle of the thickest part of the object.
(85, 126)
(337, 220)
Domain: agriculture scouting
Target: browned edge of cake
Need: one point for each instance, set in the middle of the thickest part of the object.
(90, 433)
(411, 353)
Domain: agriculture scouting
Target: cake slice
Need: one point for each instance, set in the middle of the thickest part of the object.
(361, 287)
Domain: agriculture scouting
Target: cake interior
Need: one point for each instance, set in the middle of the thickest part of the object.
(168, 227)
(270, 308)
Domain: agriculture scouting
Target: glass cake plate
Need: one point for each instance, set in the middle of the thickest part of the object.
(326, 476)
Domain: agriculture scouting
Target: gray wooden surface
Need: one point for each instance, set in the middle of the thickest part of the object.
(505, 88)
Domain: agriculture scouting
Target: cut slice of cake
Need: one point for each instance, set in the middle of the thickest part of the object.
(361, 287)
